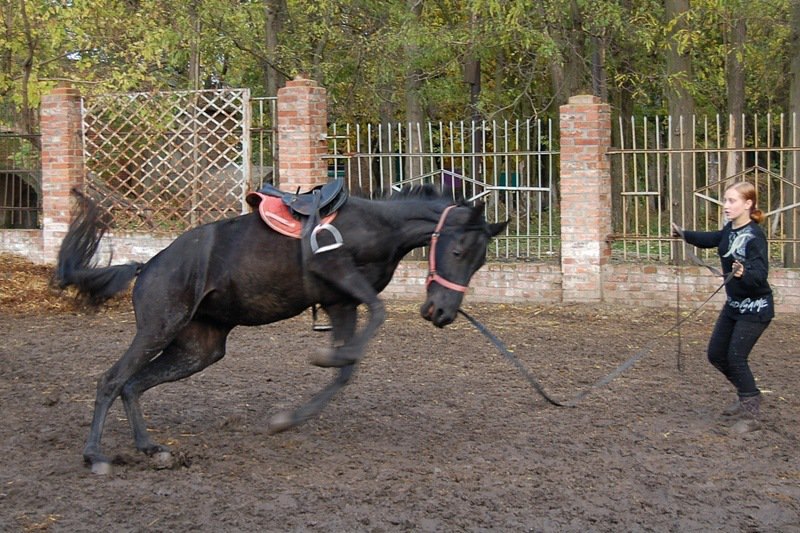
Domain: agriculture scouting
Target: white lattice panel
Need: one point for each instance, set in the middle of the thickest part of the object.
(170, 160)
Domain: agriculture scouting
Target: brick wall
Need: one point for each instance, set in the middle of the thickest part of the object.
(585, 125)
(302, 135)
(62, 163)
(629, 284)
(624, 284)
(25, 243)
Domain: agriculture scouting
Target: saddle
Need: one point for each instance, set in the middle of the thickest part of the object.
(322, 199)
(299, 215)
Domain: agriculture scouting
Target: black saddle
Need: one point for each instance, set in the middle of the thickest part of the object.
(321, 200)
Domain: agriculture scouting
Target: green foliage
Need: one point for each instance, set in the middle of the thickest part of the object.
(361, 50)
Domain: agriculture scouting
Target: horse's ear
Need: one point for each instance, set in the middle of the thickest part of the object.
(498, 227)
(477, 217)
(477, 212)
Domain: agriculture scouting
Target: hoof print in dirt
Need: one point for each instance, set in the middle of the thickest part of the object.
(234, 422)
(170, 461)
(163, 461)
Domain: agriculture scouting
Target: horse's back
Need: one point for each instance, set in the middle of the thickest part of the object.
(236, 271)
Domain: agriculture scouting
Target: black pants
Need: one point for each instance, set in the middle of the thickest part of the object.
(729, 348)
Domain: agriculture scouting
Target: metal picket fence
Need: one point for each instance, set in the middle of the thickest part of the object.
(510, 165)
(664, 179)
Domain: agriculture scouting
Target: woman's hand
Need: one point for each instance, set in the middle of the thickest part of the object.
(738, 269)
(677, 231)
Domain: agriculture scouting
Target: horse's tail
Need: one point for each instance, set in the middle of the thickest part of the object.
(75, 265)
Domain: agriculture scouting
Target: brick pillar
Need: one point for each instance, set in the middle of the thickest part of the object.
(62, 163)
(585, 125)
(302, 135)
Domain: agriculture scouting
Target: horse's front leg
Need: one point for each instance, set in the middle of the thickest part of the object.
(344, 318)
(349, 345)
(286, 420)
(340, 272)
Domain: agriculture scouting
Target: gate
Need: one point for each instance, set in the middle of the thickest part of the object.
(168, 161)
(20, 181)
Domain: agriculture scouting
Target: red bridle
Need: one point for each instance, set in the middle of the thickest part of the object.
(432, 274)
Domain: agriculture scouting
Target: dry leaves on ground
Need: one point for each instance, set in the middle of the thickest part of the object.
(26, 288)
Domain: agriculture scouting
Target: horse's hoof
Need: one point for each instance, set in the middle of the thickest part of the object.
(329, 359)
(163, 460)
(279, 423)
(99, 463)
(325, 359)
(101, 468)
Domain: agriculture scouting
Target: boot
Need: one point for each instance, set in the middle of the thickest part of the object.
(751, 406)
(734, 409)
(750, 415)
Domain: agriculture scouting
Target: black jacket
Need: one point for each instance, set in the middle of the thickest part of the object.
(749, 297)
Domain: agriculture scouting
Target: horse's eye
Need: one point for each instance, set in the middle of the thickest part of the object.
(457, 252)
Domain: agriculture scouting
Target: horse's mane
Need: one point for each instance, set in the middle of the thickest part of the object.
(424, 191)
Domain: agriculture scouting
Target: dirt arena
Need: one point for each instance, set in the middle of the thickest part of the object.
(437, 432)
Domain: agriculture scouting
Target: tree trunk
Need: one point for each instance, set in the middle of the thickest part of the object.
(275, 14)
(472, 77)
(26, 120)
(792, 217)
(7, 57)
(620, 137)
(599, 76)
(567, 76)
(194, 47)
(414, 111)
(681, 112)
(734, 76)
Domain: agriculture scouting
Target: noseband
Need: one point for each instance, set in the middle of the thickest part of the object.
(432, 274)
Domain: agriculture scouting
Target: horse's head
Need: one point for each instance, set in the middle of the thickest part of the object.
(458, 250)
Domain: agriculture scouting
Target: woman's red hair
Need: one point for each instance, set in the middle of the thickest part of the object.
(748, 192)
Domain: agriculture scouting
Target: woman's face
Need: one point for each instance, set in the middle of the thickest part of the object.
(736, 208)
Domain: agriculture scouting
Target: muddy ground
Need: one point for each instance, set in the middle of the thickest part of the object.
(437, 432)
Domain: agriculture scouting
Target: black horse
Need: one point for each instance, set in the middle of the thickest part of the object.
(238, 271)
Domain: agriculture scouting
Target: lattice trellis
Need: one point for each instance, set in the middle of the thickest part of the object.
(168, 161)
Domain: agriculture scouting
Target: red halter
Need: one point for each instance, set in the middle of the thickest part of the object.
(432, 274)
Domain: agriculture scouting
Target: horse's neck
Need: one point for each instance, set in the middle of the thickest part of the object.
(414, 221)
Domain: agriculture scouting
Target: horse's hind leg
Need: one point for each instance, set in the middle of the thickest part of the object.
(141, 350)
(196, 347)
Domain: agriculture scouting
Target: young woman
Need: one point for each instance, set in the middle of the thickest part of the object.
(749, 307)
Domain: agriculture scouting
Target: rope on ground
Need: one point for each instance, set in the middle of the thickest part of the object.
(606, 379)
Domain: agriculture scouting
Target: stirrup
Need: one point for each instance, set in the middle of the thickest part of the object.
(315, 324)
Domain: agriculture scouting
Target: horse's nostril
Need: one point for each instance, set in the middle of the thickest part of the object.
(426, 310)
